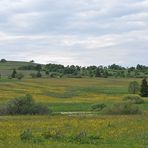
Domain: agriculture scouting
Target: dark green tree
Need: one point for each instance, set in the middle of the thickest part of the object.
(13, 75)
(98, 73)
(3, 60)
(105, 73)
(144, 88)
(38, 67)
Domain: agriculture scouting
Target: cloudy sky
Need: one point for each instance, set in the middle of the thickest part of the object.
(84, 32)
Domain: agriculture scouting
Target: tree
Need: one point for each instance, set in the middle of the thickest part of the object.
(144, 88)
(3, 60)
(133, 87)
(47, 73)
(98, 73)
(105, 74)
(32, 61)
(38, 67)
(13, 75)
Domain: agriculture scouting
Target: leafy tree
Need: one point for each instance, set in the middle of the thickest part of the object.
(98, 73)
(38, 67)
(32, 61)
(47, 73)
(105, 74)
(133, 87)
(144, 88)
(3, 60)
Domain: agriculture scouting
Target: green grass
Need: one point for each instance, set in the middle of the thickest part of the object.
(73, 95)
(70, 107)
(114, 131)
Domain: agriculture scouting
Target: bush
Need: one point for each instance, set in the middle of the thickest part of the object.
(122, 109)
(135, 99)
(26, 135)
(38, 75)
(40, 109)
(3, 110)
(19, 76)
(23, 105)
(33, 75)
(133, 87)
(97, 107)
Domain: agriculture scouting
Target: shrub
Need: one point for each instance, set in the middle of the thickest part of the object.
(26, 135)
(135, 99)
(19, 76)
(122, 109)
(24, 105)
(38, 75)
(53, 134)
(33, 75)
(133, 87)
(3, 110)
(41, 109)
(97, 107)
(20, 105)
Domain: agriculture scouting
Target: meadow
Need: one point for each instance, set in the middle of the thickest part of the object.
(73, 95)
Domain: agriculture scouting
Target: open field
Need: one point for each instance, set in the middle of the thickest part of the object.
(112, 131)
(66, 95)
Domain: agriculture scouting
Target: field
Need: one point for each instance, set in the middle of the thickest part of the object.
(70, 100)
(73, 95)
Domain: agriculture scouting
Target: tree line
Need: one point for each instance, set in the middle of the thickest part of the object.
(114, 70)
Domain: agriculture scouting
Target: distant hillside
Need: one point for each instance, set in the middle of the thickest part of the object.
(71, 71)
(9, 65)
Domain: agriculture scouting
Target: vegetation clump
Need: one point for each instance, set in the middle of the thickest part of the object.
(24, 105)
(98, 107)
(134, 87)
(144, 88)
(135, 99)
(3, 60)
(123, 109)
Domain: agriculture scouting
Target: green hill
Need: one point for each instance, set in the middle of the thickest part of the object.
(7, 67)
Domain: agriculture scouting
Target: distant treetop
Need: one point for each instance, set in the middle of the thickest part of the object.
(3, 60)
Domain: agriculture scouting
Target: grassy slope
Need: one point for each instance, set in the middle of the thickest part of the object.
(67, 94)
(63, 94)
(7, 67)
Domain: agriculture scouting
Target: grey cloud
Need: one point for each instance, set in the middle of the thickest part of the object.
(75, 32)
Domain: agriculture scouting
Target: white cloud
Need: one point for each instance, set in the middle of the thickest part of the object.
(75, 32)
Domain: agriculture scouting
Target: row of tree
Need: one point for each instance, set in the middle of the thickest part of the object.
(90, 71)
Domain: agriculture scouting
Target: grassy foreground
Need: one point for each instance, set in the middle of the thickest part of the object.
(113, 131)
(65, 95)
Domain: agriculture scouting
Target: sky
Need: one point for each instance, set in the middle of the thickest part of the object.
(79, 32)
